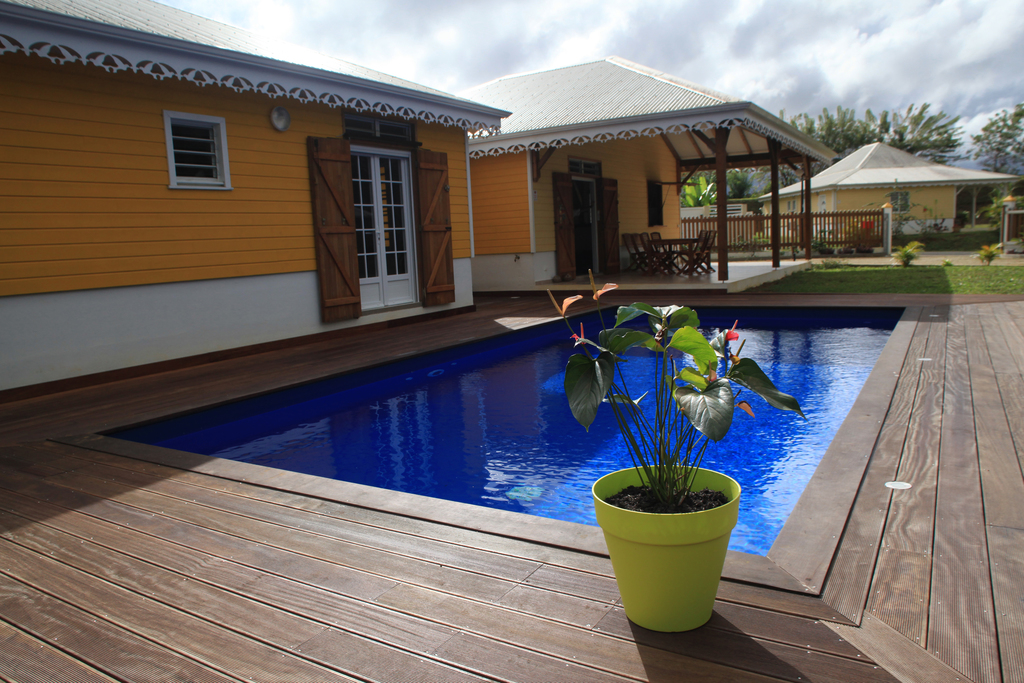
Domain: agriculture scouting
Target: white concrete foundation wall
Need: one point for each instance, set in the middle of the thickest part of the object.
(510, 272)
(916, 227)
(46, 337)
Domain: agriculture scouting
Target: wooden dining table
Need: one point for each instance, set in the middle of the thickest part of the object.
(678, 251)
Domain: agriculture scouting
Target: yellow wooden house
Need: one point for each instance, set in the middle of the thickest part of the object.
(595, 150)
(171, 186)
(922, 193)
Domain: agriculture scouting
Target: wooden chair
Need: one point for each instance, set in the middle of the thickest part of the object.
(699, 261)
(657, 261)
(637, 256)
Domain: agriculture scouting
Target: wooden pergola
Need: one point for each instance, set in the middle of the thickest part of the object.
(748, 143)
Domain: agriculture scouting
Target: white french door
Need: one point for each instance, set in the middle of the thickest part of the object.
(382, 191)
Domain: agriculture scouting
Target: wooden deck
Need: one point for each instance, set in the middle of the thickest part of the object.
(127, 562)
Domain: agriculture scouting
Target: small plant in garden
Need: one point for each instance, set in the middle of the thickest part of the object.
(988, 254)
(946, 263)
(690, 401)
(906, 254)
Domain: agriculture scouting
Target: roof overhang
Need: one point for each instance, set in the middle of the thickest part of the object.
(61, 38)
(897, 183)
(685, 131)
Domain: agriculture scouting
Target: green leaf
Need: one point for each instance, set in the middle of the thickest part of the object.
(627, 313)
(618, 340)
(690, 341)
(683, 317)
(623, 398)
(691, 376)
(710, 411)
(719, 343)
(587, 380)
(749, 374)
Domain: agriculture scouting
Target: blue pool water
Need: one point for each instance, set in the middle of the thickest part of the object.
(488, 423)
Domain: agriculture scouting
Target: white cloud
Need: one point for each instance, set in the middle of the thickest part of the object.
(962, 56)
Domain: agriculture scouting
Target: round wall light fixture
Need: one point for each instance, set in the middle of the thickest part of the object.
(280, 119)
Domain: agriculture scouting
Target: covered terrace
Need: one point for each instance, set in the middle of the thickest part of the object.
(614, 99)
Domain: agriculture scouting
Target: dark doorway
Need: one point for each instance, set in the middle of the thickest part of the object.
(585, 225)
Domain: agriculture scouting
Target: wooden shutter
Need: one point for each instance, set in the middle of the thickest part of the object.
(565, 230)
(608, 225)
(437, 272)
(337, 267)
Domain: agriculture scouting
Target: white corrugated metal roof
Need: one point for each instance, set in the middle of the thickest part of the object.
(615, 99)
(113, 23)
(878, 164)
(612, 88)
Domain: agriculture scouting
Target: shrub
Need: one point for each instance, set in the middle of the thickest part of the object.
(906, 254)
(988, 254)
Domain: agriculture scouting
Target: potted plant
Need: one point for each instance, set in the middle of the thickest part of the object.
(666, 520)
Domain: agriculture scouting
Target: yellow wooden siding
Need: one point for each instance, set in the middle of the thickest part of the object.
(501, 210)
(84, 201)
(452, 141)
(631, 163)
(925, 201)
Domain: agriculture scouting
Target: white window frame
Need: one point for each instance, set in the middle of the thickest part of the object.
(220, 140)
(900, 200)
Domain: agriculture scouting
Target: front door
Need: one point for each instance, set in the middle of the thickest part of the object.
(585, 225)
(382, 191)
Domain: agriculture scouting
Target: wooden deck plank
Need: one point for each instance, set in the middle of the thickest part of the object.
(902, 658)
(113, 448)
(1001, 479)
(26, 659)
(363, 558)
(811, 530)
(330, 608)
(380, 538)
(361, 656)
(95, 642)
(1007, 587)
(854, 564)
(961, 619)
(900, 592)
(193, 638)
(738, 649)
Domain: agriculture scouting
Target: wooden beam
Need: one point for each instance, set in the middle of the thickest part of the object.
(807, 208)
(721, 164)
(696, 146)
(706, 140)
(746, 160)
(743, 137)
(539, 161)
(671, 148)
(776, 225)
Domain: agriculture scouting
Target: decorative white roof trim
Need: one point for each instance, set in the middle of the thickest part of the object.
(483, 144)
(65, 40)
(897, 184)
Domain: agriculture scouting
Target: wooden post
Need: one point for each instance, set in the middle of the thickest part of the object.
(807, 208)
(776, 221)
(721, 139)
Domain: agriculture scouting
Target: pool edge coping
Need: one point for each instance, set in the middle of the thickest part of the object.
(794, 563)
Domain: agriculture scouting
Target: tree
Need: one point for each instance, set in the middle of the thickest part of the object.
(936, 137)
(741, 184)
(844, 132)
(1000, 145)
(932, 136)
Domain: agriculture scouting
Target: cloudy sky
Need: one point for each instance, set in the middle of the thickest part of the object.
(964, 57)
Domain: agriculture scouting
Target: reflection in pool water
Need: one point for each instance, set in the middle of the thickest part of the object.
(490, 425)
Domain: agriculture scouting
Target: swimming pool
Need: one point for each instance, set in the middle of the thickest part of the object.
(488, 423)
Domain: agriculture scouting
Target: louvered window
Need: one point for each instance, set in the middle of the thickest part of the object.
(197, 151)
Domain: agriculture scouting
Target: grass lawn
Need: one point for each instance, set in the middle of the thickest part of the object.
(951, 241)
(895, 280)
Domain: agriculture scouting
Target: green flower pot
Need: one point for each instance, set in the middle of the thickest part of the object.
(667, 566)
